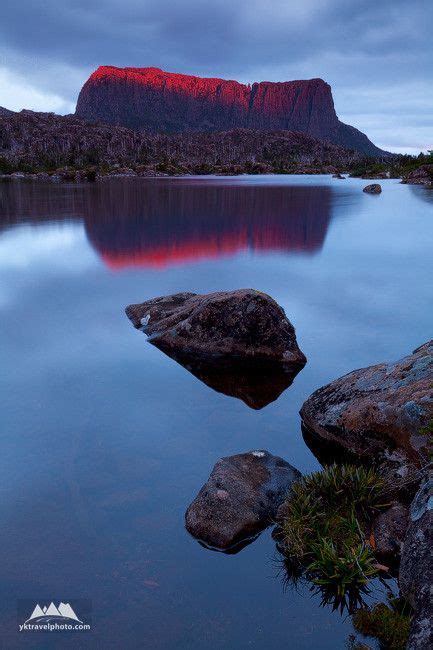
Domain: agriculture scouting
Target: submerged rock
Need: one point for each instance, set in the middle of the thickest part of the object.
(416, 568)
(243, 323)
(239, 500)
(374, 188)
(377, 413)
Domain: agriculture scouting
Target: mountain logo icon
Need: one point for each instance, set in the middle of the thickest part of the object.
(64, 610)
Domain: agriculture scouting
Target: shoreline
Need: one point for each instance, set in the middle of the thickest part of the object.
(81, 176)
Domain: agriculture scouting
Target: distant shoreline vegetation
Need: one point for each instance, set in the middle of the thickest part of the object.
(68, 148)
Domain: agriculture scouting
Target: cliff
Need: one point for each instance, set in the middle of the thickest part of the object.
(154, 100)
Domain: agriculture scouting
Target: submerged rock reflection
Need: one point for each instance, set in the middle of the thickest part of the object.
(257, 384)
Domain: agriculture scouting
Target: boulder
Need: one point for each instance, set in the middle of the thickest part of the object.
(379, 413)
(242, 324)
(416, 568)
(337, 175)
(389, 530)
(374, 188)
(239, 500)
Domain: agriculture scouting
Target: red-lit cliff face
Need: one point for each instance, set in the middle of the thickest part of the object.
(149, 98)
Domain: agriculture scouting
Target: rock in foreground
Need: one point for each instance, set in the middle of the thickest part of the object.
(244, 324)
(374, 188)
(379, 412)
(416, 568)
(240, 499)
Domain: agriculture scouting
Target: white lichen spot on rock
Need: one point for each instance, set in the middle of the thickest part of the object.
(144, 321)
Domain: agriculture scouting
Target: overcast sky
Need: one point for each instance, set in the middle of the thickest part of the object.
(377, 55)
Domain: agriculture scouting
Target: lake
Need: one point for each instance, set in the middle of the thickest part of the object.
(106, 441)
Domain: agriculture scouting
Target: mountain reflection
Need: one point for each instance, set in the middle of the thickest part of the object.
(160, 222)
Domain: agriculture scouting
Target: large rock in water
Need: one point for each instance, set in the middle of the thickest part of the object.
(379, 412)
(240, 499)
(244, 324)
(239, 343)
(374, 188)
(155, 100)
(416, 568)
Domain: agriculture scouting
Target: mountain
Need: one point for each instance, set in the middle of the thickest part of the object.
(151, 99)
(4, 112)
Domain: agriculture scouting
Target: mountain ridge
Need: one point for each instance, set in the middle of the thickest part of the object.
(31, 141)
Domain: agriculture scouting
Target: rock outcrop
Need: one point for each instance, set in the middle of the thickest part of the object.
(378, 413)
(374, 188)
(239, 500)
(416, 568)
(242, 324)
(155, 100)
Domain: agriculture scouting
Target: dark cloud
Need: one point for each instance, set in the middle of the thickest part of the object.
(376, 55)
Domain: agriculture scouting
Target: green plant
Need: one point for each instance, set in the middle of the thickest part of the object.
(389, 624)
(323, 530)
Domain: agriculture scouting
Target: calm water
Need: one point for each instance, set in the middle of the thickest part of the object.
(105, 441)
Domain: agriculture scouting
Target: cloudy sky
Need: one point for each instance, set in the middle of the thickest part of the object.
(377, 55)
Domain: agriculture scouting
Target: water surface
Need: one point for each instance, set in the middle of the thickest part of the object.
(105, 441)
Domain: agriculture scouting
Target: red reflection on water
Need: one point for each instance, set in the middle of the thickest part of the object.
(177, 222)
(157, 223)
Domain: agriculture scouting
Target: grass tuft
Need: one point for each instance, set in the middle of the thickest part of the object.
(323, 531)
(390, 624)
